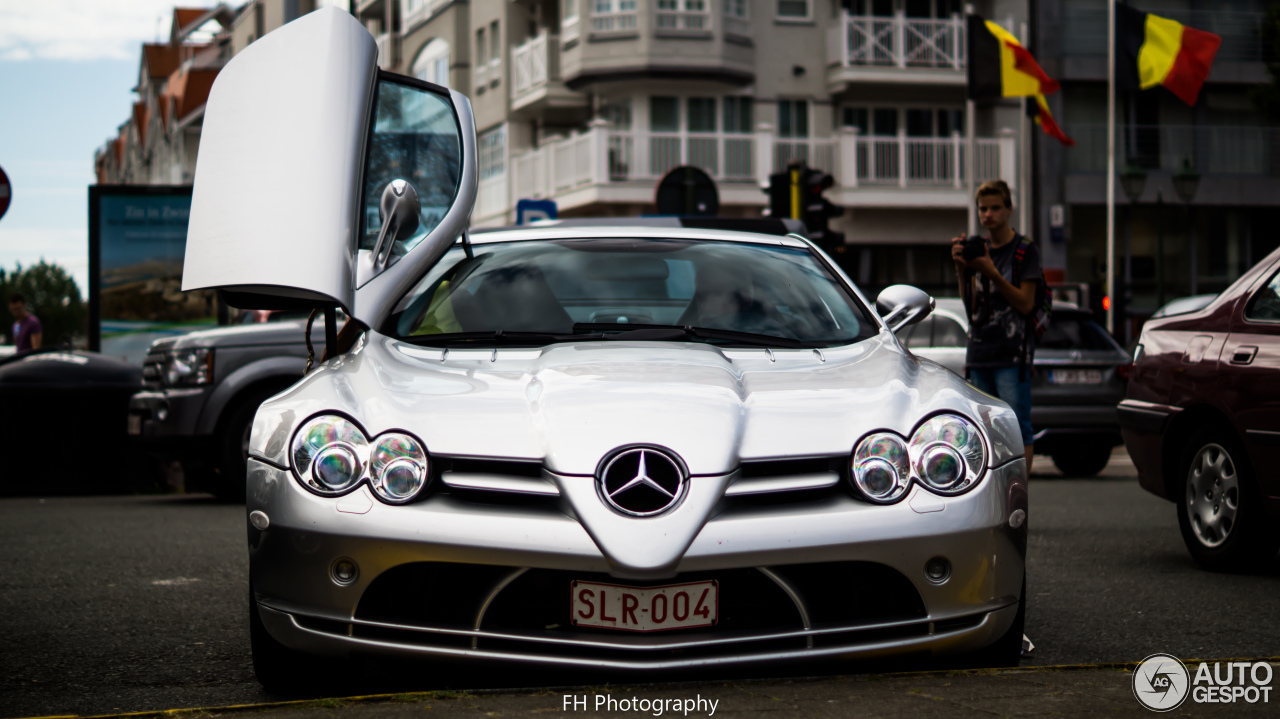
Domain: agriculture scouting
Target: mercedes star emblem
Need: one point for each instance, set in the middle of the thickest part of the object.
(643, 481)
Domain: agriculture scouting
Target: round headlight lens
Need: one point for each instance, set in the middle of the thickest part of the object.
(948, 454)
(329, 453)
(398, 468)
(881, 469)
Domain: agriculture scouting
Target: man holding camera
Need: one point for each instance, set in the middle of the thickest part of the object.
(998, 277)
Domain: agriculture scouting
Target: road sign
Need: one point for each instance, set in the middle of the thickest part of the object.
(6, 191)
(529, 210)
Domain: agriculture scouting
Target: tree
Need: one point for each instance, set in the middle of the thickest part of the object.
(52, 296)
(1267, 97)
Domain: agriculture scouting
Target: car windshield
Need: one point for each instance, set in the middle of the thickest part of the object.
(1075, 332)
(546, 291)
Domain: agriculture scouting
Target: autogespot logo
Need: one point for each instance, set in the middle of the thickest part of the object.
(1160, 682)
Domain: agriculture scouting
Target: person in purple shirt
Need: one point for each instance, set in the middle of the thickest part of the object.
(27, 332)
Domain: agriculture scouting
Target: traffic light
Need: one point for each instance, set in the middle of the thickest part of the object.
(816, 210)
(783, 203)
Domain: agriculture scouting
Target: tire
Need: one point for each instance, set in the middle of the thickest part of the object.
(1007, 650)
(232, 445)
(1220, 511)
(1084, 460)
(279, 668)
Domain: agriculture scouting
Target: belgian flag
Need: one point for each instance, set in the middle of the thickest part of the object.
(999, 66)
(1153, 50)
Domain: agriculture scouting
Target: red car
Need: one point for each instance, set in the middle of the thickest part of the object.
(1201, 420)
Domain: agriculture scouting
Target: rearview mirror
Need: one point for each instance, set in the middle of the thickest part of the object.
(400, 212)
(902, 305)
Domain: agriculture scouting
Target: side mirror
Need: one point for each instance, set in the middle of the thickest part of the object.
(902, 305)
(400, 212)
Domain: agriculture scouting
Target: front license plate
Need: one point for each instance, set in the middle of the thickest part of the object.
(645, 609)
(135, 424)
(1076, 376)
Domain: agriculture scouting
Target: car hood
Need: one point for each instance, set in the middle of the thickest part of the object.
(571, 405)
(266, 333)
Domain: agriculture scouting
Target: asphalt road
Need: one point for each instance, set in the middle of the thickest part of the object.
(117, 604)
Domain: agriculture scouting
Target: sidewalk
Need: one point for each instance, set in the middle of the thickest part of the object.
(1068, 691)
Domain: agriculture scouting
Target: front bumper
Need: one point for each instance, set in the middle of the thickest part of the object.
(303, 607)
(165, 420)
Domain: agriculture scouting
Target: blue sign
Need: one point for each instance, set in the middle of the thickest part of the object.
(529, 210)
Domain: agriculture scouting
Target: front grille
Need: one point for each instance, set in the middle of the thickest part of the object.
(436, 604)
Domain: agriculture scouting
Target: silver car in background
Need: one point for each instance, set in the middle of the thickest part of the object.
(618, 448)
(1078, 377)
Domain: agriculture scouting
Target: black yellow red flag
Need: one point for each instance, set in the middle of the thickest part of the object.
(1152, 50)
(999, 66)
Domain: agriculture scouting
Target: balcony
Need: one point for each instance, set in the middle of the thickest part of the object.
(603, 165)
(535, 77)
(384, 51)
(1213, 150)
(895, 49)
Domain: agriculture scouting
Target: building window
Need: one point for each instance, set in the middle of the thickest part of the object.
(793, 118)
(854, 117)
(793, 9)
(737, 115)
(664, 114)
(490, 151)
(432, 63)
(481, 48)
(617, 112)
(682, 15)
(613, 15)
(736, 16)
(702, 114)
(495, 44)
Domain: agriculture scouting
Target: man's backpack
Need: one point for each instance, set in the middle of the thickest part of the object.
(1042, 308)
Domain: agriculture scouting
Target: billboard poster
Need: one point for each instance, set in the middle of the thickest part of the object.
(137, 242)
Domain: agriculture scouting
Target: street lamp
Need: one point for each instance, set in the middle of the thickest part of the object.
(1134, 181)
(1185, 182)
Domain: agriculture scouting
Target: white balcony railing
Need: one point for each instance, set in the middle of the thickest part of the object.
(414, 11)
(383, 42)
(898, 41)
(1212, 149)
(531, 64)
(682, 20)
(613, 21)
(602, 156)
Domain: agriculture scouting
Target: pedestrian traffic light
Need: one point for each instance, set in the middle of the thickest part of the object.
(817, 210)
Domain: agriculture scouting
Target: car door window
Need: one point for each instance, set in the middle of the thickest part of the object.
(1265, 305)
(415, 138)
(948, 333)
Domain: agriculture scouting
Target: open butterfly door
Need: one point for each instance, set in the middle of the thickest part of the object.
(311, 159)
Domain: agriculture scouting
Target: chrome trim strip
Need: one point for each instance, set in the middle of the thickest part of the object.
(795, 598)
(793, 483)
(981, 632)
(499, 483)
(494, 595)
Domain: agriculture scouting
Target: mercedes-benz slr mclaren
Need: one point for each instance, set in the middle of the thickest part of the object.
(619, 448)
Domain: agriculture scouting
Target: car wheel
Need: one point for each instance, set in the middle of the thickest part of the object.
(1007, 650)
(1082, 460)
(1220, 510)
(279, 668)
(233, 445)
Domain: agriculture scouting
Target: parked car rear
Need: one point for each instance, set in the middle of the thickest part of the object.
(1077, 378)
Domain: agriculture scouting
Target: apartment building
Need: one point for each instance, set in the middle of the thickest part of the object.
(591, 102)
(1232, 146)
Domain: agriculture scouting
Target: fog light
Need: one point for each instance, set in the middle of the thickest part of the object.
(937, 570)
(259, 519)
(344, 571)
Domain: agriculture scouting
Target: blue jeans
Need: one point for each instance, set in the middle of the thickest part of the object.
(1003, 382)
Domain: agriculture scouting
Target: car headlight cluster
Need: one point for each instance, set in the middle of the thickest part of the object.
(187, 368)
(946, 454)
(332, 456)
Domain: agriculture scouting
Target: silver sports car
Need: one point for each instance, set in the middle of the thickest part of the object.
(628, 448)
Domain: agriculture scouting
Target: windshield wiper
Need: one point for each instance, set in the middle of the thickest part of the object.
(674, 332)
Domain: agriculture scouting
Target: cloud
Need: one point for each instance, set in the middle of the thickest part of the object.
(82, 29)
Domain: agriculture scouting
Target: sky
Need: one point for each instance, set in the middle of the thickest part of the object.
(66, 72)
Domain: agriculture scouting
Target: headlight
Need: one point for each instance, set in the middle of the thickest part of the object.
(398, 468)
(188, 367)
(880, 467)
(329, 455)
(946, 454)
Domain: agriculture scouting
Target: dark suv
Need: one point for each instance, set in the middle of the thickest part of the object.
(203, 388)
